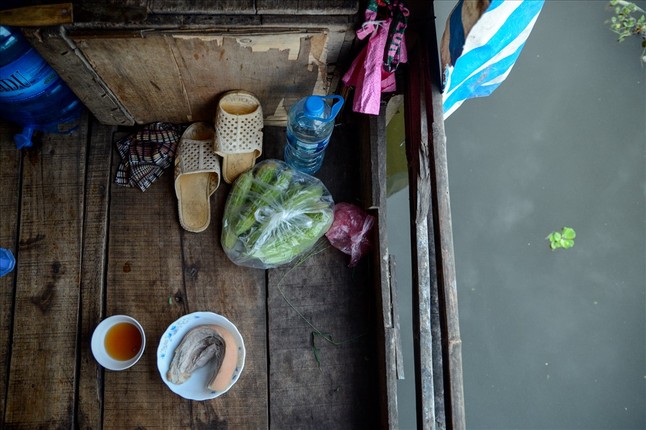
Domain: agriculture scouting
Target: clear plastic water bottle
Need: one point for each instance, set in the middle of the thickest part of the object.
(31, 92)
(309, 126)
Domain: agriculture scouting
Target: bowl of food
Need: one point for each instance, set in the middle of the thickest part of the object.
(201, 356)
(118, 342)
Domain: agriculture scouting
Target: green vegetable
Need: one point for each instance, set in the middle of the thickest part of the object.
(274, 214)
(267, 185)
(234, 203)
(238, 193)
(563, 239)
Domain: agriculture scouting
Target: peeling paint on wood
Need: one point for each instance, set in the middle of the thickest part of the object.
(178, 77)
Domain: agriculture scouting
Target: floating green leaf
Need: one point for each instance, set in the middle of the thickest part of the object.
(563, 239)
(568, 233)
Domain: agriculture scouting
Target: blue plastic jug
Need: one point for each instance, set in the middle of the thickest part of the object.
(31, 92)
(7, 261)
(309, 126)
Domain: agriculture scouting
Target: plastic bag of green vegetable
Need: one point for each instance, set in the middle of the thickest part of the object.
(273, 214)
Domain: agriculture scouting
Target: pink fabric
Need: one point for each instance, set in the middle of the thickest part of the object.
(367, 74)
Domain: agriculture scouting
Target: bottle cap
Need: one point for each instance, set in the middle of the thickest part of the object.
(7, 262)
(314, 106)
(23, 140)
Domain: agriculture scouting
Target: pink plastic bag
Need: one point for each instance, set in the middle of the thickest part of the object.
(349, 231)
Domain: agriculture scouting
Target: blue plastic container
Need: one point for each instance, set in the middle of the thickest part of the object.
(309, 126)
(31, 92)
(7, 261)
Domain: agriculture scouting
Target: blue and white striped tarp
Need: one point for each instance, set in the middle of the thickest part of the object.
(489, 51)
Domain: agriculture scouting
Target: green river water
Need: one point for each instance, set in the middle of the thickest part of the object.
(551, 339)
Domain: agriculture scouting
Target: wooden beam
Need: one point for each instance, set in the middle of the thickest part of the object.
(38, 15)
(417, 151)
(41, 385)
(93, 270)
(433, 240)
(10, 173)
(438, 361)
(441, 215)
(144, 270)
(373, 167)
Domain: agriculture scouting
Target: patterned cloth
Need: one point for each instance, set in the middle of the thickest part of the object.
(145, 154)
(377, 13)
(395, 45)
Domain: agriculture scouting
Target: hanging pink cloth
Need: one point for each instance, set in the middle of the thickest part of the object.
(367, 73)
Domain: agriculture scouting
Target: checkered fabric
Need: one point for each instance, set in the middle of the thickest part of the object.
(145, 154)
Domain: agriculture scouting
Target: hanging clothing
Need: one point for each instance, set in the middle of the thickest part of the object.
(373, 71)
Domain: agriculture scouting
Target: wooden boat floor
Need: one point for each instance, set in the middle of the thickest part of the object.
(87, 249)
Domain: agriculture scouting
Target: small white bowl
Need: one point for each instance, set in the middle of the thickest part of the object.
(98, 343)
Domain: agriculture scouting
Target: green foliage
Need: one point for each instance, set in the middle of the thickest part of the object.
(628, 20)
(563, 239)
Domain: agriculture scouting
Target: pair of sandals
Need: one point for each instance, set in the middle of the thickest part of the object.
(237, 138)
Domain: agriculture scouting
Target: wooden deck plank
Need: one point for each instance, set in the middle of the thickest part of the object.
(10, 172)
(438, 362)
(337, 394)
(110, 10)
(387, 325)
(144, 270)
(95, 227)
(447, 291)
(424, 266)
(215, 284)
(231, 7)
(337, 300)
(135, 256)
(308, 7)
(43, 356)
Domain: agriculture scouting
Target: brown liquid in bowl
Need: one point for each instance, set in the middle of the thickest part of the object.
(123, 341)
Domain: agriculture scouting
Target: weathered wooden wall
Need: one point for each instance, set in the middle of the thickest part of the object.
(137, 62)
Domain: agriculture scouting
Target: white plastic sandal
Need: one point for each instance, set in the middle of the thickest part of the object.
(238, 133)
(197, 176)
